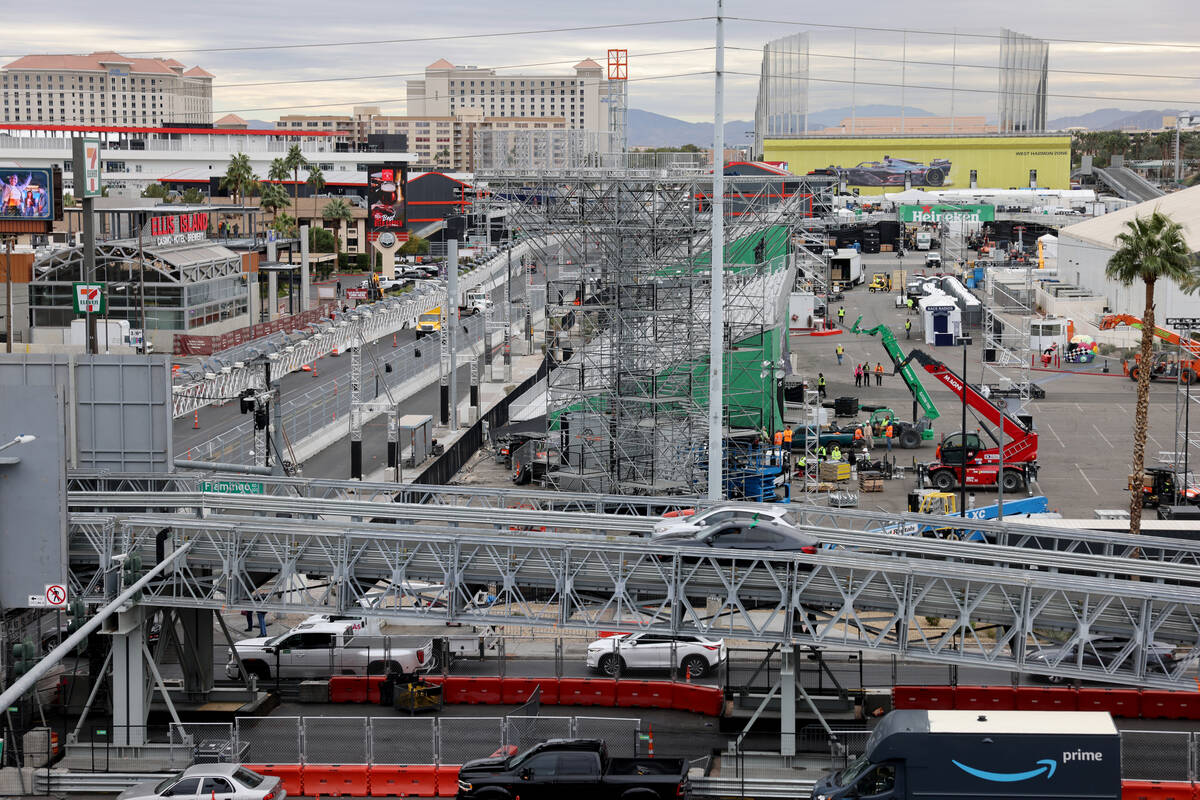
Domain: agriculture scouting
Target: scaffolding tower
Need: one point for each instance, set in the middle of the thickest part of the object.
(627, 307)
(1007, 316)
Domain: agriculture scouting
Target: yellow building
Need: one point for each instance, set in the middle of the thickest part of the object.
(879, 163)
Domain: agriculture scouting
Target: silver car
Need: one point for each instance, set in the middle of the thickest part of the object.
(206, 781)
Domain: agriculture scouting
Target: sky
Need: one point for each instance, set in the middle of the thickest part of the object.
(670, 63)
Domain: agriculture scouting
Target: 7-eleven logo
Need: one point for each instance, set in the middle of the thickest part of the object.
(89, 298)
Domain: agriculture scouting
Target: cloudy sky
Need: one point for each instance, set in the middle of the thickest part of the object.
(903, 38)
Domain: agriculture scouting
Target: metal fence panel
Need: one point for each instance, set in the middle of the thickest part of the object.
(1155, 755)
(460, 740)
(400, 740)
(845, 746)
(209, 742)
(269, 740)
(335, 740)
(524, 732)
(621, 733)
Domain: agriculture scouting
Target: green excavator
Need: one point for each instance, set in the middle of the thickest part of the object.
(923, 426)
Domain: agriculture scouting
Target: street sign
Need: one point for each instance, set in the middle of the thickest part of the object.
(90, 185)
(1183, 322)
(89, 298)
(231, 487)
(356, 294)
(56, 595)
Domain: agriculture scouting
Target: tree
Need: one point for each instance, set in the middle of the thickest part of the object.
(274, 197)
(155, 190)
(336, 209)
(68, 200)
(239, 177)
(284, 224)
(316, 179)
(193, 196)
(295, 162)
(442, 156)
(321, 241)
(415, 246)
(1151, 249)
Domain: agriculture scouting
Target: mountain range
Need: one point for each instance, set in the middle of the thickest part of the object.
(648, 129)
(1113, 119)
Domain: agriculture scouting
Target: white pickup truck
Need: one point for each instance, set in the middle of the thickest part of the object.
(323, 649)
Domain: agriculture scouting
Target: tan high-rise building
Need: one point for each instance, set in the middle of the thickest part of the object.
(104, 88)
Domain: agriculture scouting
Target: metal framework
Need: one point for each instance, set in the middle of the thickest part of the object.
(1013, 617)
(628, 400)
(1007, 315)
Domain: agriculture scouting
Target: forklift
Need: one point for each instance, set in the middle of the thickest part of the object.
(1166, 486)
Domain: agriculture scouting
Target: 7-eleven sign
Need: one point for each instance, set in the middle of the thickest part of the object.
(89, 298)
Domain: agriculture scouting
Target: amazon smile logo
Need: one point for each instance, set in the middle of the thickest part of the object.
(1048, 767)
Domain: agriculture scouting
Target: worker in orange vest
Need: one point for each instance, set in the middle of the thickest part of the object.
(887, 434)
(878, 374)
(787, 437)
(778, 438)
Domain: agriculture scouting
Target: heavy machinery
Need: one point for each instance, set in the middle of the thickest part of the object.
(1166, 486)
(965, 451)
(880, 282)
(909, 375)
(1166, 366)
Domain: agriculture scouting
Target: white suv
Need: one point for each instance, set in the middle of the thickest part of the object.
(732, 513)
(693, 654)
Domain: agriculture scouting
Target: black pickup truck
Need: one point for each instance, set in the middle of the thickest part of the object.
(579, 769)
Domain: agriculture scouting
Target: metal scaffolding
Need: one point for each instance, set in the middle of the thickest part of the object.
(628, 319)
(1007, 314)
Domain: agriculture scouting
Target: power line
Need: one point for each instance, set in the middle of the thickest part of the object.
(427, 97)
(958, 33)
(413, 40)
(955, 64)
(1179, 103)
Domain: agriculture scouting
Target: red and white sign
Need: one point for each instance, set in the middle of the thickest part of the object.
(356, 294)
(56, 595)
(179, 229)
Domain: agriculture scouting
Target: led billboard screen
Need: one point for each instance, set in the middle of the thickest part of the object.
(385, 197)
(26, 194)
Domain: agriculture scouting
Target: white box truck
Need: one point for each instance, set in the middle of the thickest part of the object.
(845, 267)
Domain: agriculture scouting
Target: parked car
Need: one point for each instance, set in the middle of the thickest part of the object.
(577, 768)
(765, 535)
(726, 512)
(222, 781)
(1098, 650)
(694, 655)
(324, 649)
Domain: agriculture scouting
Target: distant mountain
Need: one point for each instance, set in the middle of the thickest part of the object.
(259, 124)
(1111, 119)
(647, 129)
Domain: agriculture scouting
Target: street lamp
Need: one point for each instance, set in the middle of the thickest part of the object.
(962, 478)
(24, 438)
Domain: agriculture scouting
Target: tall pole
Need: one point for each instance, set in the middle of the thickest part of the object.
(962, 478)
(508, 316)
(716, 330)
(8, 303)
(142, 287)
(453, 320)
(1178, 124)
(89, 233)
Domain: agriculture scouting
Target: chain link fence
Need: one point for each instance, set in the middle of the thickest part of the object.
(1158, 755)
(335, 740)
(620, 733)
(460, 740)
(524, 732)
(270, 740)
(396, 740)
(210, 742)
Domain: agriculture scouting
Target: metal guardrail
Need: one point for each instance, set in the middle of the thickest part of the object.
(750, 787)
(58, 782)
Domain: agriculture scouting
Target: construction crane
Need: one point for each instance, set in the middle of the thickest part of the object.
(902, 366)
(1165, 367)
(964, 451)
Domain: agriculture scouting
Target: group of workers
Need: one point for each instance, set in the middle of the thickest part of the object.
(862, 374)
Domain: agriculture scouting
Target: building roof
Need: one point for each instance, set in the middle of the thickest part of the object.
(198, 72)
(587, 63)
(132, 129)
(441, 63)
(1182, 206)
(230, 119)
(95, 62)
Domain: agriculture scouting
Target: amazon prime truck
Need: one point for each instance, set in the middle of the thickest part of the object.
(1039, 755)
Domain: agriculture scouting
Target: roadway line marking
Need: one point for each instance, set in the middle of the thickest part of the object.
(1081, 411)
(1151, 438)
(1060, 441)
(1085, 477)
(1120, 408)
(1102, 436)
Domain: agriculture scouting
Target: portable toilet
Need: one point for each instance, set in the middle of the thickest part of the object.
(941, 319)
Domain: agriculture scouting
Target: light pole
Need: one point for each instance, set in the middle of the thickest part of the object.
(962, 478)
(24, 438)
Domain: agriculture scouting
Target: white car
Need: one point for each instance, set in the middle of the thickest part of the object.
(206, 781)
(727, 512)
(693, 654)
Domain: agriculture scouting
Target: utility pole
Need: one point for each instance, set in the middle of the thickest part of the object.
(453, 317)
(508, 316)
(142, 290)
(716, 329)
(356, 410)
(80, 169)
(8, 303)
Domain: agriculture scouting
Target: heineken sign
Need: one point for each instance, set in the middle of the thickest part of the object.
(937, 212)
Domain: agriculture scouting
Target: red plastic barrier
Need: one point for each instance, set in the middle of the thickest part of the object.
(514, 691)
(923, 697)
(1118, 702)
(981, 698)
(344, 780)
(347, 689)
(373, 684)
(410, 781)
(486, 691)
(291, 775)
(645, 694)
(447, 781)
(587, 692)
(1156, 790)
(1157, 704)
(698, 699)
(1034, 698)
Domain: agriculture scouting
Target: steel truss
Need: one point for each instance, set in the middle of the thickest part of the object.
(1004, 617)
(629, 399)
(1007, 316)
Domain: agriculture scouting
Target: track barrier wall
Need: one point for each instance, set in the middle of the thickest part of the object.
(1125, 703)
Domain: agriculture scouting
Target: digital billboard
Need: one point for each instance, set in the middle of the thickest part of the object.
(884, 164)
(386, 206)
(26, 194)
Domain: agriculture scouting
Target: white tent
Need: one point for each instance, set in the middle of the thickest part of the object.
(1049, 245)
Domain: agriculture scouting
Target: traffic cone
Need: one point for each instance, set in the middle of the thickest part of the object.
(196, 420)
(651, 740)
(393, 340)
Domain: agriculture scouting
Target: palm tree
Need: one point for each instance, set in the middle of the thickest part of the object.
(1152, 249)
(336, 209)
(295, 162)
(316, 179)
(274, 197)
(239, 179)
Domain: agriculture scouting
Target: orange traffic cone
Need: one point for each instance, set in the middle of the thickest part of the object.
(196, 420)
(393, 340)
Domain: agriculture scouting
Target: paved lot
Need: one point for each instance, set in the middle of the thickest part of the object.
(1085, 423)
